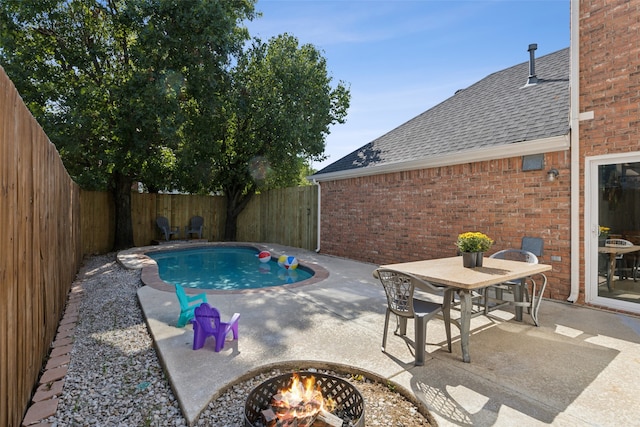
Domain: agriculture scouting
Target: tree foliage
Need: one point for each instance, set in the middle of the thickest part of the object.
(109, 80)
(169, 93)
(276, 115)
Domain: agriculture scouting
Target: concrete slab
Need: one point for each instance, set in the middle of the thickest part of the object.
(580, 367)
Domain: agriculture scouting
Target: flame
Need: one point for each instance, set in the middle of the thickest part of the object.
(302, 399)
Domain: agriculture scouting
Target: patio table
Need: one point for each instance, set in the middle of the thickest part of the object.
(614, 251)
(450, 273)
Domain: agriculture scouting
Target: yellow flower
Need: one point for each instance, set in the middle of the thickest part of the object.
(473, 241)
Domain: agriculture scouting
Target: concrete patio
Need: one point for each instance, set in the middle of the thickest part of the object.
(581, 367)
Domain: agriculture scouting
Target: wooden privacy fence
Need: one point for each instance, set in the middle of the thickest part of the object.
(287, 216)
(40, 249)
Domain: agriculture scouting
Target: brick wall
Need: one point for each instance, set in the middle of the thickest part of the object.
(610, 76)
(413, 215)
(609, 83)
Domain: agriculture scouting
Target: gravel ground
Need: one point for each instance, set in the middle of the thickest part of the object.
(115, 379)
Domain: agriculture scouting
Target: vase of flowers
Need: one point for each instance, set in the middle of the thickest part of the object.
(475, 244)
(603, 234)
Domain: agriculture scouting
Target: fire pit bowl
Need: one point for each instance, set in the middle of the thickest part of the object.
(349, 401)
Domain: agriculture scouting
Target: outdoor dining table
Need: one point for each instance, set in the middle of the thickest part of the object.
(450, 273)
(613, 251)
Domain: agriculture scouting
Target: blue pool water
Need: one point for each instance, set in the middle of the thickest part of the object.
(223, 268)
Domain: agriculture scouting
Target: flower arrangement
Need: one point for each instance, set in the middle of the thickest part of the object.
(604, 231)
(473, 241)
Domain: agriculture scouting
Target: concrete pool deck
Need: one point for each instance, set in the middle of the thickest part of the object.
(581, 367)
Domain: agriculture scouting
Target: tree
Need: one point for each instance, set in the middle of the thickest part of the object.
(112, 82)
(274, 119)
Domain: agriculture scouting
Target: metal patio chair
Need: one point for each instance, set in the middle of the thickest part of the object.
(506, 293)
(624, 262)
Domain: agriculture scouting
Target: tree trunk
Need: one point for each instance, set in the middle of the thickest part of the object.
(230, 224)
(236, 202)
(122, 200)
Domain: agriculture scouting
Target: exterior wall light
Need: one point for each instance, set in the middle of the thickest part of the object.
(552, 175)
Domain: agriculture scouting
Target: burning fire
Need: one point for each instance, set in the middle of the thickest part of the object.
(303, 400)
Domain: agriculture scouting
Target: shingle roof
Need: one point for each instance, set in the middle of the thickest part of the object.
(495, 111)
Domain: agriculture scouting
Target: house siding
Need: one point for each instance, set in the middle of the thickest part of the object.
(411, 215)
(609, 36)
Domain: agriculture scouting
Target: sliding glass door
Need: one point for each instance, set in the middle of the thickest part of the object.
(613, 214)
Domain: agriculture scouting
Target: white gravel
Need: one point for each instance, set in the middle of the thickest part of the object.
(115, 379)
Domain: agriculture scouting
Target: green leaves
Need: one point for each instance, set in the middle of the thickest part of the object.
(110, 80)
(165, 92)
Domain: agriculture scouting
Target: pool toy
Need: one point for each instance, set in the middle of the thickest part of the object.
(264, 256)
(281, 260)
(291, 263)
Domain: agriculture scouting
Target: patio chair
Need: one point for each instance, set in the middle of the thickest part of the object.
(533, 245)
(187, 305)
(624, 262)
(399, 289)
(207, 324)
(531, 295)
(196, 224)
(163, 224)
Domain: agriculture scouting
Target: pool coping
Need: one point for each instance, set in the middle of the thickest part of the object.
(136, 259)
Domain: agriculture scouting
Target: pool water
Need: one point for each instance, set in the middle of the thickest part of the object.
(223, 268)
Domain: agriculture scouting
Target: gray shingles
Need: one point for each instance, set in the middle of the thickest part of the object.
(497, 110)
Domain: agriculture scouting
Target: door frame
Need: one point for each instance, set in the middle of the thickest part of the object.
(591, 196)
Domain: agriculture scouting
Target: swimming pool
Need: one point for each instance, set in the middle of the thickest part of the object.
(223, 268)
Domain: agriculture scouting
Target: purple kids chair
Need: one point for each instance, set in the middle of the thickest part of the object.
(207, 323)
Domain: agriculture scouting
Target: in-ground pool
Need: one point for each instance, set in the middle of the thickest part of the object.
(223, 268)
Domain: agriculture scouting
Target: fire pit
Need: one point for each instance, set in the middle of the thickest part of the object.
(304, 399)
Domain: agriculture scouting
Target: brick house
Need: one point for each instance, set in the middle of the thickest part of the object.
(483, 159)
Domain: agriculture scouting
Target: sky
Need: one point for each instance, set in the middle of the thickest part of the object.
(402, 57)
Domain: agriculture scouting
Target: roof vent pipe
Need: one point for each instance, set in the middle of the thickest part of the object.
(532, 65)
